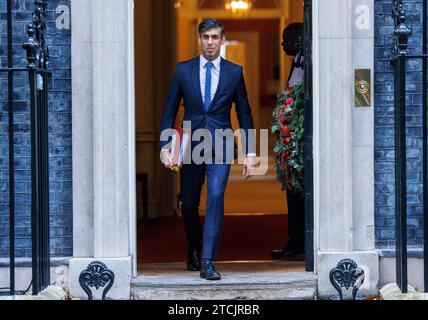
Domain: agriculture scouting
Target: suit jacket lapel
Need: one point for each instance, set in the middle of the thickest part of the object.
(222, 81)
(196, 79)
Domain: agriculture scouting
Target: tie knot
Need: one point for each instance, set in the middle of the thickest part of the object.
(209, 65)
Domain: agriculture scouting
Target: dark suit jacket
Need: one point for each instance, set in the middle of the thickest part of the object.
(231, 89)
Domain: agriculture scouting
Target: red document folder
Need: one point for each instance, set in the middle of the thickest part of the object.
(179, 144)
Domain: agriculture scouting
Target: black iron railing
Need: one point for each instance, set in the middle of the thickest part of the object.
(38, 76)
(400, 56)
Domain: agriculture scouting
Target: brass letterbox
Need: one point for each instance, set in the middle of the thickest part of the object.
(363, 88)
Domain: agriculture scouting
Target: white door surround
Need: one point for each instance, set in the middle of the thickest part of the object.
(104, 213)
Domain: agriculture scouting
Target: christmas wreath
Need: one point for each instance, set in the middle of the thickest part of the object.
(288, 126)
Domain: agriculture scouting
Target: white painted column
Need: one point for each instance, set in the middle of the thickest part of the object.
(109, 125)
(82, 129)
(111, 145)
(343, 143)
(363, 130)
(335, 124)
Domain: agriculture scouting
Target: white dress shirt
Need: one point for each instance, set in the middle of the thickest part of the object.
(297, 76)
(215, 75)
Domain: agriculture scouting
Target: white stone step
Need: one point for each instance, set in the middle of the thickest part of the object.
(233, 286)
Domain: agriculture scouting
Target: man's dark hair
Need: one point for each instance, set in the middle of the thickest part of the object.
(211, 24)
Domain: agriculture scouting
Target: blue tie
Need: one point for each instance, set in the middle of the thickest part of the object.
(207, 101)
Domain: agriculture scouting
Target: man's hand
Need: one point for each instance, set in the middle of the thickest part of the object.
(166, 158)
(251, 163)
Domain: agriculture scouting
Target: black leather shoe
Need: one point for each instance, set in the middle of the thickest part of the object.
(209, 272)
(193, 260)
(288, 253)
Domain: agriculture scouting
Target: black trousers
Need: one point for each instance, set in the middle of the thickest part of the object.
(296, 221)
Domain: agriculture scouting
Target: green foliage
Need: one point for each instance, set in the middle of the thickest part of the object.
(288, 126)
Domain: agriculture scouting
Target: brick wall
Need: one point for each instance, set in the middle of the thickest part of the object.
(59, 40)
(384, 126)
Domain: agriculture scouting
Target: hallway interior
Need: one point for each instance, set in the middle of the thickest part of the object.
(255, 223)
(245, 238)
(255, 209)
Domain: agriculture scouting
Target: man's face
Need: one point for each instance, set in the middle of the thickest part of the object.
(211, 42)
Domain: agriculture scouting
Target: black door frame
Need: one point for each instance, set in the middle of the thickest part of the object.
(309, 159)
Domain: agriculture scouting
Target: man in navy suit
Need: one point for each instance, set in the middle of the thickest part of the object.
(209, 86)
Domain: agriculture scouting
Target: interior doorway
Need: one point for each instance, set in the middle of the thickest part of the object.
(257, 207)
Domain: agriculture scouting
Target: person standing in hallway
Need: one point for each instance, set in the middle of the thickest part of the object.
(209, 86)
(294, 249)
